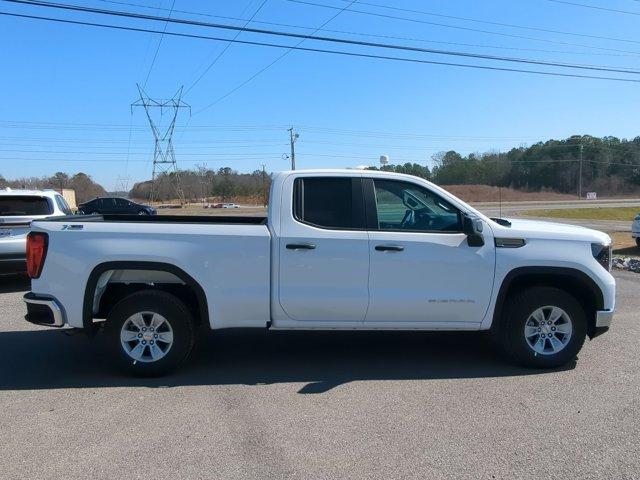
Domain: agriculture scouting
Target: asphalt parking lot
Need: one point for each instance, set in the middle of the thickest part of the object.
(319, 405)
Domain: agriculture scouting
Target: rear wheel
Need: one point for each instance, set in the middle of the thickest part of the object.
(149, 333)
(543, 327)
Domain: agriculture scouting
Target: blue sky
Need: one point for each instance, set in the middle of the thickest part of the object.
(67, 90)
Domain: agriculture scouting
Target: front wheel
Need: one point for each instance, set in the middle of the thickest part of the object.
(149, 333)
(542, 327)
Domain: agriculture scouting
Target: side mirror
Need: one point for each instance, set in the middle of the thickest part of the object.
(472, 228)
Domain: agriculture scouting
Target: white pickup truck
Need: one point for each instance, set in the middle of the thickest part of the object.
(340, 250)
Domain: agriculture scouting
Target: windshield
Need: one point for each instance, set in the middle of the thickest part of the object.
(23, 206)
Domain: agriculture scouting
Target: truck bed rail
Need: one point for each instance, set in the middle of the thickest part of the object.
(212, 219)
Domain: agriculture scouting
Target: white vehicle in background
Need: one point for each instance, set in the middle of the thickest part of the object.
(340, 250)
(635, 229)
(17, 209)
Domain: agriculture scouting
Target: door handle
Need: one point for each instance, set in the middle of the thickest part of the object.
(389, 248)
(300, 246)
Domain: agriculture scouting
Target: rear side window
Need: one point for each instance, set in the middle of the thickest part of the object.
(19, 205)
(329, 202)
(63, 205)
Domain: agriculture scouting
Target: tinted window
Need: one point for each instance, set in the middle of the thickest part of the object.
(63, 205)
(107, 203)
(16, 206)
(329, 202)
(405, 206)
(122, 203)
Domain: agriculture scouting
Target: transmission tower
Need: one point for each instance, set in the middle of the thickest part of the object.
(164, 157)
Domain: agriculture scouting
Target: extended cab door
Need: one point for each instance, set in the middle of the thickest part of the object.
(323, 252)
(423, 271)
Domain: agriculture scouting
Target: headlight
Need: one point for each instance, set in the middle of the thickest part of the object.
(602, 254)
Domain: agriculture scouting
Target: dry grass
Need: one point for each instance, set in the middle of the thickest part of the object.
(198, 209)
(624, 245)
(487, 193)
(597, 213)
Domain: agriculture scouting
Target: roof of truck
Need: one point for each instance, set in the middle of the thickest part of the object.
(28, 193)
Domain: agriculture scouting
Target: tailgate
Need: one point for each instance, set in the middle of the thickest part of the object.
(13, 233)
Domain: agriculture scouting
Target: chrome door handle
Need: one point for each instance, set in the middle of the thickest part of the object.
(300, 246)
(389, 248)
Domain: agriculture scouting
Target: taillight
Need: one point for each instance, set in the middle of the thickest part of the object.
(36, 252)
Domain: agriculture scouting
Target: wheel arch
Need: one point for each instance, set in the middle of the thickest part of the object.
(572, 281)
(202, 308)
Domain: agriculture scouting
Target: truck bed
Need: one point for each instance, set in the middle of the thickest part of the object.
(229, 256)
(210, 219)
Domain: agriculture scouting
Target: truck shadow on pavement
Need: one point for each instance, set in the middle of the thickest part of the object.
(49, 359)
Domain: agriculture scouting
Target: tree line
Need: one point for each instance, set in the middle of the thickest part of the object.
(608, 165)
(83, 184)
(224, 183)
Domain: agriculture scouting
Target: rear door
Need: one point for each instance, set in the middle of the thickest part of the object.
(423, 271)
(324, 252)
(107, 206)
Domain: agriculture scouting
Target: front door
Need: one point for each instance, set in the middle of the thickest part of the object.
(423, 272)
(324, 252)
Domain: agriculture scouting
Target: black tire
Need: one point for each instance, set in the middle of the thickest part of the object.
(176, 315)
(518, 309)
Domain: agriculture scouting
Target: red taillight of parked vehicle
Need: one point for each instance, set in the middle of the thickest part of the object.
(37, 243)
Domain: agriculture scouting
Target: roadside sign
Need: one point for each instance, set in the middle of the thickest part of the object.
(592, 196)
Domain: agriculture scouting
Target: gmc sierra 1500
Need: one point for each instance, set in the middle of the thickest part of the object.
(341, 249)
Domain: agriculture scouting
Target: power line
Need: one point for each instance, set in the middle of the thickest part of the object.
(500, 24)
(318, 50)
(312, 36)
(595, 7)
(253, 128)
(306, 154)
(373, 35)
(636, 165)
(155, 55)
(267, 67)
(215, 60)
(457, 27)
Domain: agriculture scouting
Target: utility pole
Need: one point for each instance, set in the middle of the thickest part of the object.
(580, 174)
(164, 158)
(264, 186)
(293, 137)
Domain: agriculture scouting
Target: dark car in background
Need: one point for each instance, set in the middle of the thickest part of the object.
(115, 205)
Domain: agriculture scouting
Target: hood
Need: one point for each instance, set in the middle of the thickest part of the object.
(551, 230)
